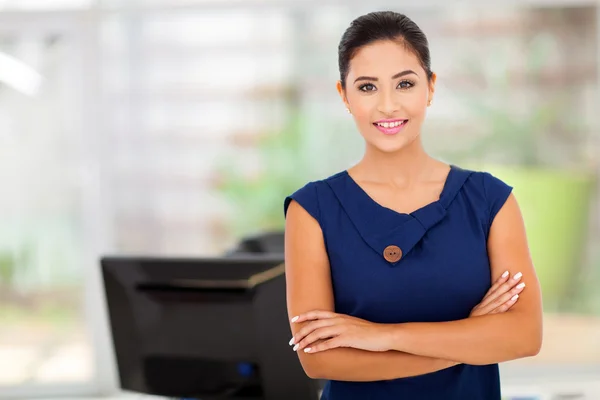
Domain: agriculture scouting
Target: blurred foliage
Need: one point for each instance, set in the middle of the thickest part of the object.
(58, 316)
(544, 130)
(13, 265)
(257, 200)
(522, 139)
(7, 268)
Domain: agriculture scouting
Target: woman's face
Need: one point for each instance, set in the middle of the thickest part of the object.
(387, 92)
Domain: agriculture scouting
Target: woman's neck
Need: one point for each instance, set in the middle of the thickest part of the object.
(410, 164)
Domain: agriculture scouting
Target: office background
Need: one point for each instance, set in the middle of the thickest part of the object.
(171, 127)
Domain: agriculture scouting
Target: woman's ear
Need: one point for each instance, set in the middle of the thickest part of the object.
(342, 94)
(432, 87)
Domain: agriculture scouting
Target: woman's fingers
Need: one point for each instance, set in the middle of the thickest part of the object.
(313, 315)
(510, 296)
(326, 345)
(503, 278)
(324, 333)
(501, 289)
(506, 306)
(311, 327)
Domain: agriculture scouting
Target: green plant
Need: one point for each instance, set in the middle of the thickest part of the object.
(522, 121)
(13, 264)
(312, 143)
(257, 199)
(523, 140)
(7, 269)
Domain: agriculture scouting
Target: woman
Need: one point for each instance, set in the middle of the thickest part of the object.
(390, 264)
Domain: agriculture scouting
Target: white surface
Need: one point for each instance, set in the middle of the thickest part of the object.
(556, 390)
(584, 390)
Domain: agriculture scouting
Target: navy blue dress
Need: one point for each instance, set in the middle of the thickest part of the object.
(427, 266)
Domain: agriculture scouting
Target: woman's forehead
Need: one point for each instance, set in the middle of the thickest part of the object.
(383, 58)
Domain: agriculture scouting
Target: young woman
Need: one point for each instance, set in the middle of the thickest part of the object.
(403, 273)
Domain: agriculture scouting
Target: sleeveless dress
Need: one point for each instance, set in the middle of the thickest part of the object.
(430, 265)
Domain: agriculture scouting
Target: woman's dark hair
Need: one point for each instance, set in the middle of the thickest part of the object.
(382, 25)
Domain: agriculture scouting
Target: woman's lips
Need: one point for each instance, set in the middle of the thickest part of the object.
(391, 127)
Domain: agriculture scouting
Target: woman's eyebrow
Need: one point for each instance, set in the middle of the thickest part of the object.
(398, 75)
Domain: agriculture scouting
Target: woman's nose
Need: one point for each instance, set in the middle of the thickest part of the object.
(388, 104)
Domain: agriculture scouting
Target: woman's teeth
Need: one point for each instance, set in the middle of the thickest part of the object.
(390, 124)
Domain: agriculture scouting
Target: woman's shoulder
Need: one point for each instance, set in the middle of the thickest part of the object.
(313, 194)
(485, 182)
(487, 191)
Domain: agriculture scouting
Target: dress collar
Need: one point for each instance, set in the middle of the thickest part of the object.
(389, 233)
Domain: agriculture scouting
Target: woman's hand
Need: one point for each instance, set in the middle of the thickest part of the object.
(327, 330)
(503, 294)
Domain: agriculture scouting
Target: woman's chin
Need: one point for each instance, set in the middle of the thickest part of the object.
(389, 146)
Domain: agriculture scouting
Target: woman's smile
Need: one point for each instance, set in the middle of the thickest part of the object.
(391, 126)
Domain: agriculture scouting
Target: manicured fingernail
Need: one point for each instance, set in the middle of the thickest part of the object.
(504, 275)
(515, 297)
(518, 276)
(295, 319)
(521, 285)
(292, 341)
(306, 350)
(296, 347)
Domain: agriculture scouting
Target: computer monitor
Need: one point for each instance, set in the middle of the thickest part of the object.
(203, 328)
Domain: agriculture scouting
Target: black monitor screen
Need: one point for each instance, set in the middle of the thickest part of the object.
(203, 327)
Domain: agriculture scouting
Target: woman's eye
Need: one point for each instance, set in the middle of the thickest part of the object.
(405, 85)
(367, 87)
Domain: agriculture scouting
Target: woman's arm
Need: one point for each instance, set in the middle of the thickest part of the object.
(308, 282)
(494, 338)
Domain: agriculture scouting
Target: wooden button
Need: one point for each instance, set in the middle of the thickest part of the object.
(392, 253)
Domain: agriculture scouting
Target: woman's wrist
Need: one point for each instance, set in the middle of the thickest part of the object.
(395, 337)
